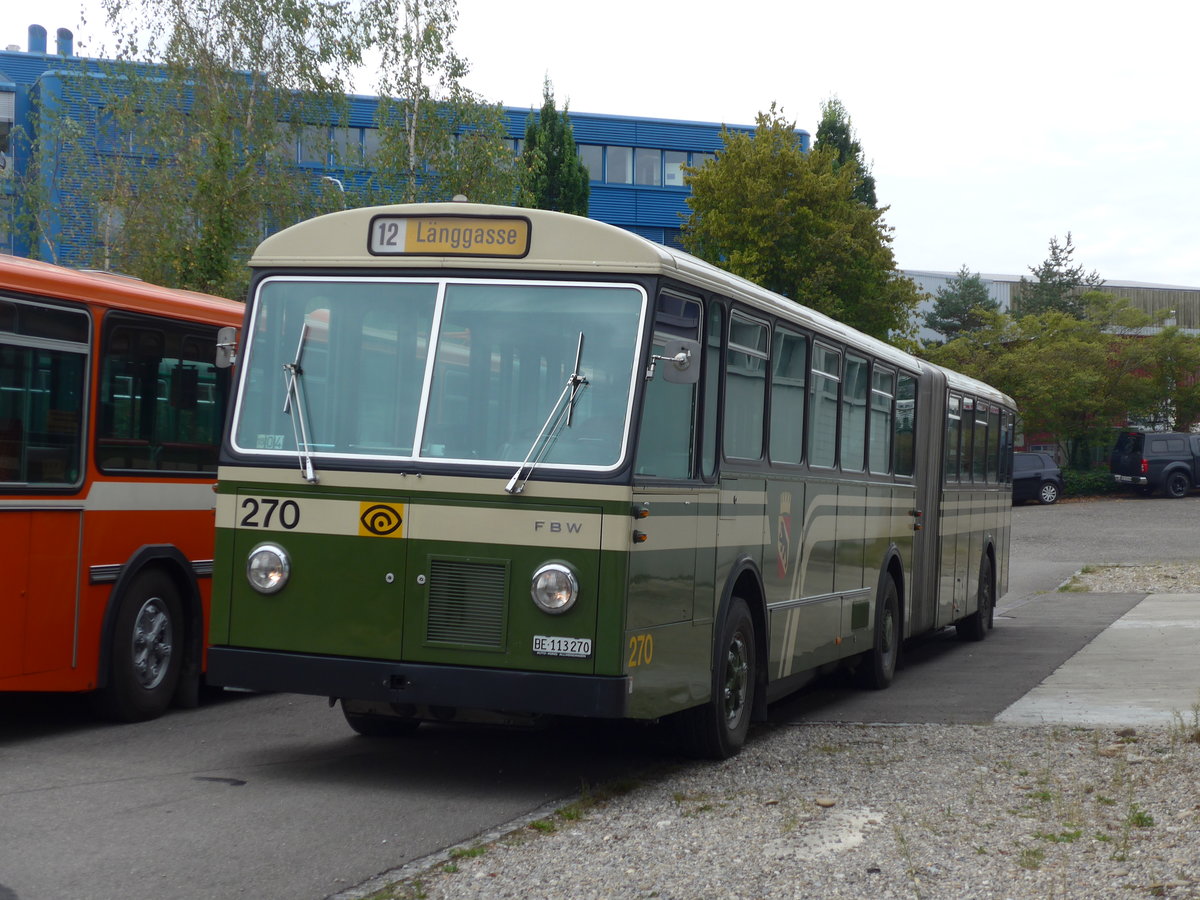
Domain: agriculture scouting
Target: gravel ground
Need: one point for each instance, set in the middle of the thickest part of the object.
(853, 811)
(1157, 578)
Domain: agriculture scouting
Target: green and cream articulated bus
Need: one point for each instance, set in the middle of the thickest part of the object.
(498, 464)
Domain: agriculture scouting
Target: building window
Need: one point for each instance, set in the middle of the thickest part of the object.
(370, 143)
(699, 159)
(314, 145)
(592, 156)
(674, 161)
(648, 167)
(347, 147)
(619, 168)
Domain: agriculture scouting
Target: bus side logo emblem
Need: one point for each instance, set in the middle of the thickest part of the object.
(380, 520)
(783, 538)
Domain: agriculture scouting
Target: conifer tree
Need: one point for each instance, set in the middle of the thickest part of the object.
(552, 176)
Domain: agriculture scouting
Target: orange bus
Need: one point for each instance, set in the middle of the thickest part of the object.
(111, 408)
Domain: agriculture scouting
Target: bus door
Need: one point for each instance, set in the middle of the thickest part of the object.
(43, 369)
(929, 522)
(39, 603)
(671, 562)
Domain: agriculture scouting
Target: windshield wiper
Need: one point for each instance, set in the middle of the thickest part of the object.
(294, 399)
(560, 415)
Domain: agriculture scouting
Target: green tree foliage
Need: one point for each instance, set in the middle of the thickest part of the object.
(1071, 378)
(552, 176)
(1058, 284)
(192, 169)
(36, 206)
(961, 305)
(437, 138)
(790, 221)
(1168, 394)
(836, 132)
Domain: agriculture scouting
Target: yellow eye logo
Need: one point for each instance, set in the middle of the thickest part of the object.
(381, 520)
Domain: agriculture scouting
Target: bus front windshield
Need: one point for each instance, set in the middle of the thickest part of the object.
(448, 370)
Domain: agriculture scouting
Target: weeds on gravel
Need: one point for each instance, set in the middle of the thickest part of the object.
(1031, 858)
(1063, 837)
(910, 865)
(1186, 730)
(590, 798)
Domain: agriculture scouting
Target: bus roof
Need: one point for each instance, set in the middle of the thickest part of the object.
(550, 241)
(30, 276)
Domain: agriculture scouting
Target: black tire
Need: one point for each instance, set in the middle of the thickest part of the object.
(147, 650)
(976, 626)
(375, 725)
(718, 728)
(1177, 485)
(877, 668)
(1048, 493)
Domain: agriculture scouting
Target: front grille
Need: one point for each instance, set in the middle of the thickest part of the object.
(466, 602)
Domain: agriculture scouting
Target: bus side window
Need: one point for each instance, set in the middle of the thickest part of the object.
(669, 412)
(883, 386)
(161, 396)
(745, 388)
(787, 397)
(905, 426)
(42, 392)
(854, 414)
(712, 388)
(823, 406)
(953, 432)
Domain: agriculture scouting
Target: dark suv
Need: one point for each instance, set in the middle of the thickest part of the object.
(1149, 462)
(1036, 476)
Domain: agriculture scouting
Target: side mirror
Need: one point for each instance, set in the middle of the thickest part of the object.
(226, 347)
(682, 358)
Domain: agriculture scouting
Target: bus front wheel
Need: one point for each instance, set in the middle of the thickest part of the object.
(717, 729)
(147, 650)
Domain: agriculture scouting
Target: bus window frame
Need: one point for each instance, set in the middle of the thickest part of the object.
(86, 349)
(729, 346)
(165, 326)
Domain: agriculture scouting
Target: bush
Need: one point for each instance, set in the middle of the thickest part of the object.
(1090, 482)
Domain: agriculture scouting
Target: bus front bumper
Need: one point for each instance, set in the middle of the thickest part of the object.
(539, 693)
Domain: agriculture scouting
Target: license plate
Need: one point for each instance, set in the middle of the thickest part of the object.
(544, 645)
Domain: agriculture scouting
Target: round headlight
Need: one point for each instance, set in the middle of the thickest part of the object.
(554, 588)
(267, 568)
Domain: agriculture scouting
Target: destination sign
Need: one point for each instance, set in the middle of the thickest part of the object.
(449, 236)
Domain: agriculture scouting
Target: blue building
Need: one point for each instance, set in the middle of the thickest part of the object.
(635, 163)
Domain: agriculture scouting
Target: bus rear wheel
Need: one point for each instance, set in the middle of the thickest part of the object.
(717, 729)
(976, 626)
(146, 655)
(877, 668)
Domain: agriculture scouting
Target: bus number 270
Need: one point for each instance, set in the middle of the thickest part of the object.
(261, 513)
(641, 650)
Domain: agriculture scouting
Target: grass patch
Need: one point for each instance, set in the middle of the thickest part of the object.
(1138, 817)
(1031, 858)
(1063, 837)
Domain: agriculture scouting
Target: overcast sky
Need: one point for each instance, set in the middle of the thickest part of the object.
(989, 128)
